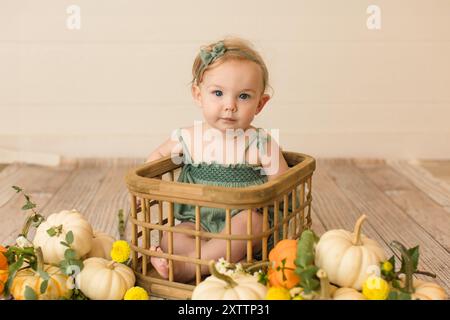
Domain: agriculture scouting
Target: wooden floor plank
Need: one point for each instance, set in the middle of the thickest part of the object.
(81, 188)
(111, 196)
(40, 182)
(437, 189)
(425, 211)
(440, 169)
(8, 177)
(336, 211)
(388, 220)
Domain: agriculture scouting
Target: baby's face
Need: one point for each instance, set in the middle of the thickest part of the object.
(231, 94)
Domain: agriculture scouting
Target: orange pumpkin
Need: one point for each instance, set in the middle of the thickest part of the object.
(284, 250)
(3, 269)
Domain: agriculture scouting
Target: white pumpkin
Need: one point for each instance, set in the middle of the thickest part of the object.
(62, 223)
(241, 286)
(348, 257)
(102, 279)
(101, 245)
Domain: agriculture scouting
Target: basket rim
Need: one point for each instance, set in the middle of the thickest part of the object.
(143, 181)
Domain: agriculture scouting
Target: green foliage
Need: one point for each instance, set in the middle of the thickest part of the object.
(54, 231)
(35, 219)
(304, 261)
(121, 224)
(69, 237)
(263, 278)
(414, 256)
(399, 295)
(71, 263)
(388, 275)
(30, 294)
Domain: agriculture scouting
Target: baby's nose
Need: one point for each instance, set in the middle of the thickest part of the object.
(231, 106)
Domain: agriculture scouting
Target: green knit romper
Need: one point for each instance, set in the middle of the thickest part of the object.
(228, 175)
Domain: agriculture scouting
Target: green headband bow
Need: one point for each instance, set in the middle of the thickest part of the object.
(209, 56)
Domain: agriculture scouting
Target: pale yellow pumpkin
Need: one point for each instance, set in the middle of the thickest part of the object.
(101, 246)
(347, 294)
(419, 289)
(62, 223)
(102, 279)
(348, 257)
(329, 291)
(59, 285)
(424, 290)
(241, 286)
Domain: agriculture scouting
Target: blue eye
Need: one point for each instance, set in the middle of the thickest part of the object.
(218, 93)
(244, 96)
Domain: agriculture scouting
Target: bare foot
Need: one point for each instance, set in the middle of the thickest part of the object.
(160, 264)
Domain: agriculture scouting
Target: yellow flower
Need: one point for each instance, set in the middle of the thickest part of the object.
(136, 293)
(375, 288)
(120, 251)
(278, 293)
(387, 266)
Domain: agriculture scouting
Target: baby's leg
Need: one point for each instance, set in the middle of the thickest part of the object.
(182, 244)
(216, 248)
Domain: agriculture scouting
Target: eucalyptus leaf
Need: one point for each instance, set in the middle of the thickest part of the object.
(30, 294)
(28, 205)
(51, 232)
(69, 237)
(12, 270)
(44, 286)
(37, 220)
(63, 266)
(65, 244)
(44, 275)
(18, 189)
(70, 254)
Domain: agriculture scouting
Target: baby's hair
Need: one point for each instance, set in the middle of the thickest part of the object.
(236, 49)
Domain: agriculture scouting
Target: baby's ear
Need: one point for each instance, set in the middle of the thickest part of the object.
(196, 94)
(262, 102)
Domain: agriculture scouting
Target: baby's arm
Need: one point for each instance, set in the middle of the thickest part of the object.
(166, 148)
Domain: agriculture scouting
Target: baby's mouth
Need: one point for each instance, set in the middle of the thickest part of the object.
(228, 119)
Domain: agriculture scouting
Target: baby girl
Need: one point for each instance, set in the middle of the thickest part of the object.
(229, 85)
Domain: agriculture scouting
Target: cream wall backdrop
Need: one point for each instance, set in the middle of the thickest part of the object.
(119, 85)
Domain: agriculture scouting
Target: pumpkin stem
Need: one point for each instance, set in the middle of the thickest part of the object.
(357, 230)
(324, 284)
(212, 268)
(257, 265)
(110, 265)
(39, 258)
(409, 267)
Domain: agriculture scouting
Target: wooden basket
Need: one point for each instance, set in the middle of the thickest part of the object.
(154, 185)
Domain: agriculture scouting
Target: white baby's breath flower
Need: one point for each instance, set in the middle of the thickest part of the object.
(23, 242)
